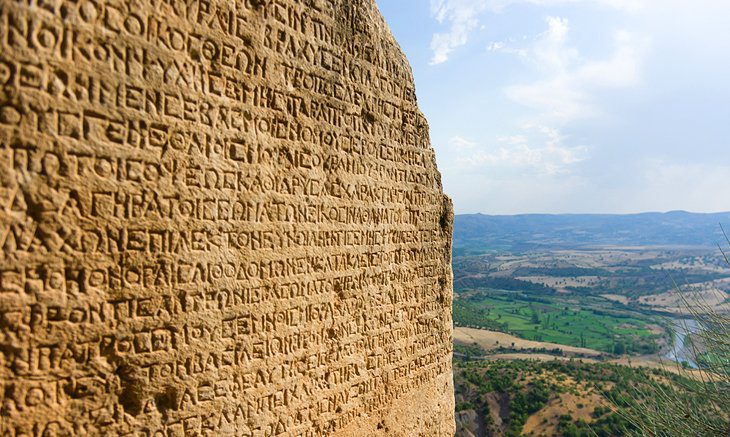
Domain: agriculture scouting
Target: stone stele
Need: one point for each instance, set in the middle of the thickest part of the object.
(218, 218)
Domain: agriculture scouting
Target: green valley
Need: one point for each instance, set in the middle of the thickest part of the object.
(587, 322)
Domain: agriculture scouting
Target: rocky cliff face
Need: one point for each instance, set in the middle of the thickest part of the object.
(218, 218)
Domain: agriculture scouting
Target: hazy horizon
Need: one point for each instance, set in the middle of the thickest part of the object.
(573, 106)
(596, 213)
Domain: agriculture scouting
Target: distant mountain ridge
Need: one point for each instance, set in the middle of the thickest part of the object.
(544, 231)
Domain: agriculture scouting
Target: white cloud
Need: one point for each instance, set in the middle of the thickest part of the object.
(506, 47)
(622, 5)
(564, 91)
(460, 143)
(538, 149)
(496, 46)
(551, 52)
(462, 17)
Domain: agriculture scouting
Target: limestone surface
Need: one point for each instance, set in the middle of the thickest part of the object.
(218, 218)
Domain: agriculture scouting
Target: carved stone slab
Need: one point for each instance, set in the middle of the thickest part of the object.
(218, 218)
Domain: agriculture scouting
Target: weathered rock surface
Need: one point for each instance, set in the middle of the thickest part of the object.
(218, 218)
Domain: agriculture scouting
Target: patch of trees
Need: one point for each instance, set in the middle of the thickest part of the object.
(499, 283)
(570, 272)
(529, 385)
(470, 314)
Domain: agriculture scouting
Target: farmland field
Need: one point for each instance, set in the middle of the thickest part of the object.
(591, 323)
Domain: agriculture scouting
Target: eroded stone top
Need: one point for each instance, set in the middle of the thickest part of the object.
(218, 217)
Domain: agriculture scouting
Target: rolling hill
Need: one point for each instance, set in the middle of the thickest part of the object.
(546, 231)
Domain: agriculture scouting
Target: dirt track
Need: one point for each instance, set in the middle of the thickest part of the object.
(491, 340)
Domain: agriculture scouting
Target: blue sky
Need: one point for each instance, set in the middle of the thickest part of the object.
(574, 106)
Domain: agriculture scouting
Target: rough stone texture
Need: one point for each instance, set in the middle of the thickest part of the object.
(218, 218)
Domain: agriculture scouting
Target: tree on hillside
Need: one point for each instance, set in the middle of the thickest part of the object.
(619, 348)
(535, 318)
